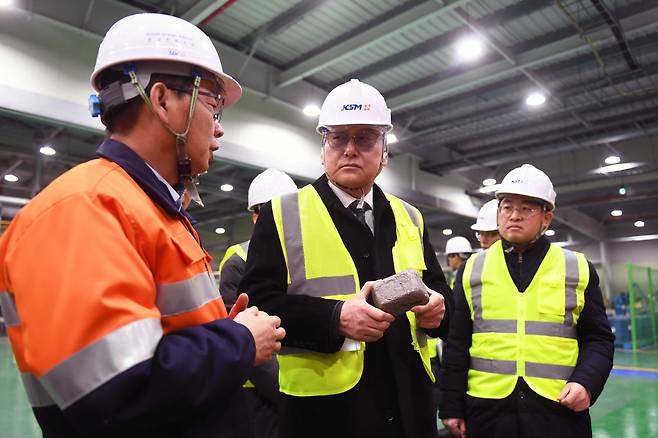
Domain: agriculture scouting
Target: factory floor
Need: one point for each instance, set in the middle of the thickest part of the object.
(627, 408)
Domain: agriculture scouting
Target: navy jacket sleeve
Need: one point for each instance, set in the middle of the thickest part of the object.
(595, 341)
(187, 374)
(456, 358)
(229, 279)
(434, 279)
(310, 322)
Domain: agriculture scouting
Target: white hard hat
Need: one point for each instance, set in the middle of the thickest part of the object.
(354, 103)
(155, 42)
(458, 245)
(527, 180)
(486, 220)
(267, 185)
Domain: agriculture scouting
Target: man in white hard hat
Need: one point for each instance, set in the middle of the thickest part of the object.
(262, 388)
(133, 338)
(486, 225)
(348, 369)
(530, 346)
(458, 250)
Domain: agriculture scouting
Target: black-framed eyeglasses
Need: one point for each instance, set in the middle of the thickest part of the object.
(219, 100)
(364, 140)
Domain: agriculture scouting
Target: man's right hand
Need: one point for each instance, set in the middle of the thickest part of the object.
(456, 426)
(361, 321)
(265, 330)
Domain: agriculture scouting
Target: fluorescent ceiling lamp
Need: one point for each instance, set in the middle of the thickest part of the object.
(535, 99)
(563, 243)
(550, 233)
(6, 3)
(391, 138)
(639, 224)
(10, 177)
(13, 200)
(220, 230)
(635, 238)
(616, 213)
(612, 159)
(47, 150)
(469, 48)
(226, 187)
(312, 110)
(616, 168)
(489, 189)
(488, 182)
(447, 231)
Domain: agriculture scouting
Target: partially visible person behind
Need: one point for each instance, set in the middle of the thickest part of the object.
(530, 346)
(486, 226)
(262, 388)
(458, 250)
(117, 327)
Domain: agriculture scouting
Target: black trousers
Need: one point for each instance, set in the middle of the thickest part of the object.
(524, 414)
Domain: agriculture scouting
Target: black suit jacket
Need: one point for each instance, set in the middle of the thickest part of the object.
(394, 379)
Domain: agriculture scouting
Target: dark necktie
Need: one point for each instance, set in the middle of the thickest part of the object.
(359, 213)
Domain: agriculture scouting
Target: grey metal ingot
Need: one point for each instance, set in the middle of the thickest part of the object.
(400, 292)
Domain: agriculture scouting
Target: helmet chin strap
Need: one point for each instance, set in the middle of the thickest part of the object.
(183, 163)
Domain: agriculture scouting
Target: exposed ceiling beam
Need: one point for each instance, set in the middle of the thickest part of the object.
(281, 22)
(580, 222)
(441, 41)
(635, 24)
(201, 9)
(393, 26)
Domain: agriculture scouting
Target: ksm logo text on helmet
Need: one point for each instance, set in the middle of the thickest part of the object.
(356, 107)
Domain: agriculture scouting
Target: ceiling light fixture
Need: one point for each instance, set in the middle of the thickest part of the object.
(612, 159)
(226, 187)
(639, 224)
(447, 231)
(469, 48)
(312, 110)
(391, 138)
(6, 3)
(10, 177)
(220, 230)
(622, 190)
(535, 99)
(616, 213)
(488, 182)
(550, 233)
(619, 167)
(47, 150)
(489, 189)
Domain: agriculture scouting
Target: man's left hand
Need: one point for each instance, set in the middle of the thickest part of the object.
(574, 396)
(430, 315)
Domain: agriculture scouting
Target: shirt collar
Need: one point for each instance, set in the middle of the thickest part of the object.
(346, 199)
(174, 194)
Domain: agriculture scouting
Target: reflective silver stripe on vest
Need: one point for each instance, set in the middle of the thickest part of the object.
(36, 393)
(571, 283)
(476, 285)
(548, 371)
(186, 295)
(292, 235)
(493, 366)
(412, 214)
(99, 362)
(245, 246)
(494, 326)
(550, 329)
(8, 305)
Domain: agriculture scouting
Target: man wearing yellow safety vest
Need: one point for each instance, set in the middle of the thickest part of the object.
(119, 330)
(530, 346)
(349, 369)
(262, 388)
(486, 225)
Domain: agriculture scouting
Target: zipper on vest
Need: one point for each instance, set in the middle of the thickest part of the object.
(520, 265)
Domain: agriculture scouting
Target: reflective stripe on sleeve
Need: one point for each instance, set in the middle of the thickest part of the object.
(100, 361)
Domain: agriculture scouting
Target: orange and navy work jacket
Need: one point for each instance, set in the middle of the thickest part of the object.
(95, 273)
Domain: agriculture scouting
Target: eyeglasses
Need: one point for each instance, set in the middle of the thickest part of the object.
(218, 106)
(525, 211)
(364, 140)
(489, 234)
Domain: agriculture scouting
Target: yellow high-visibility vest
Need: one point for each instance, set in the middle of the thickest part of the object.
(319, 265)
(531, 334)
(240, 249)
